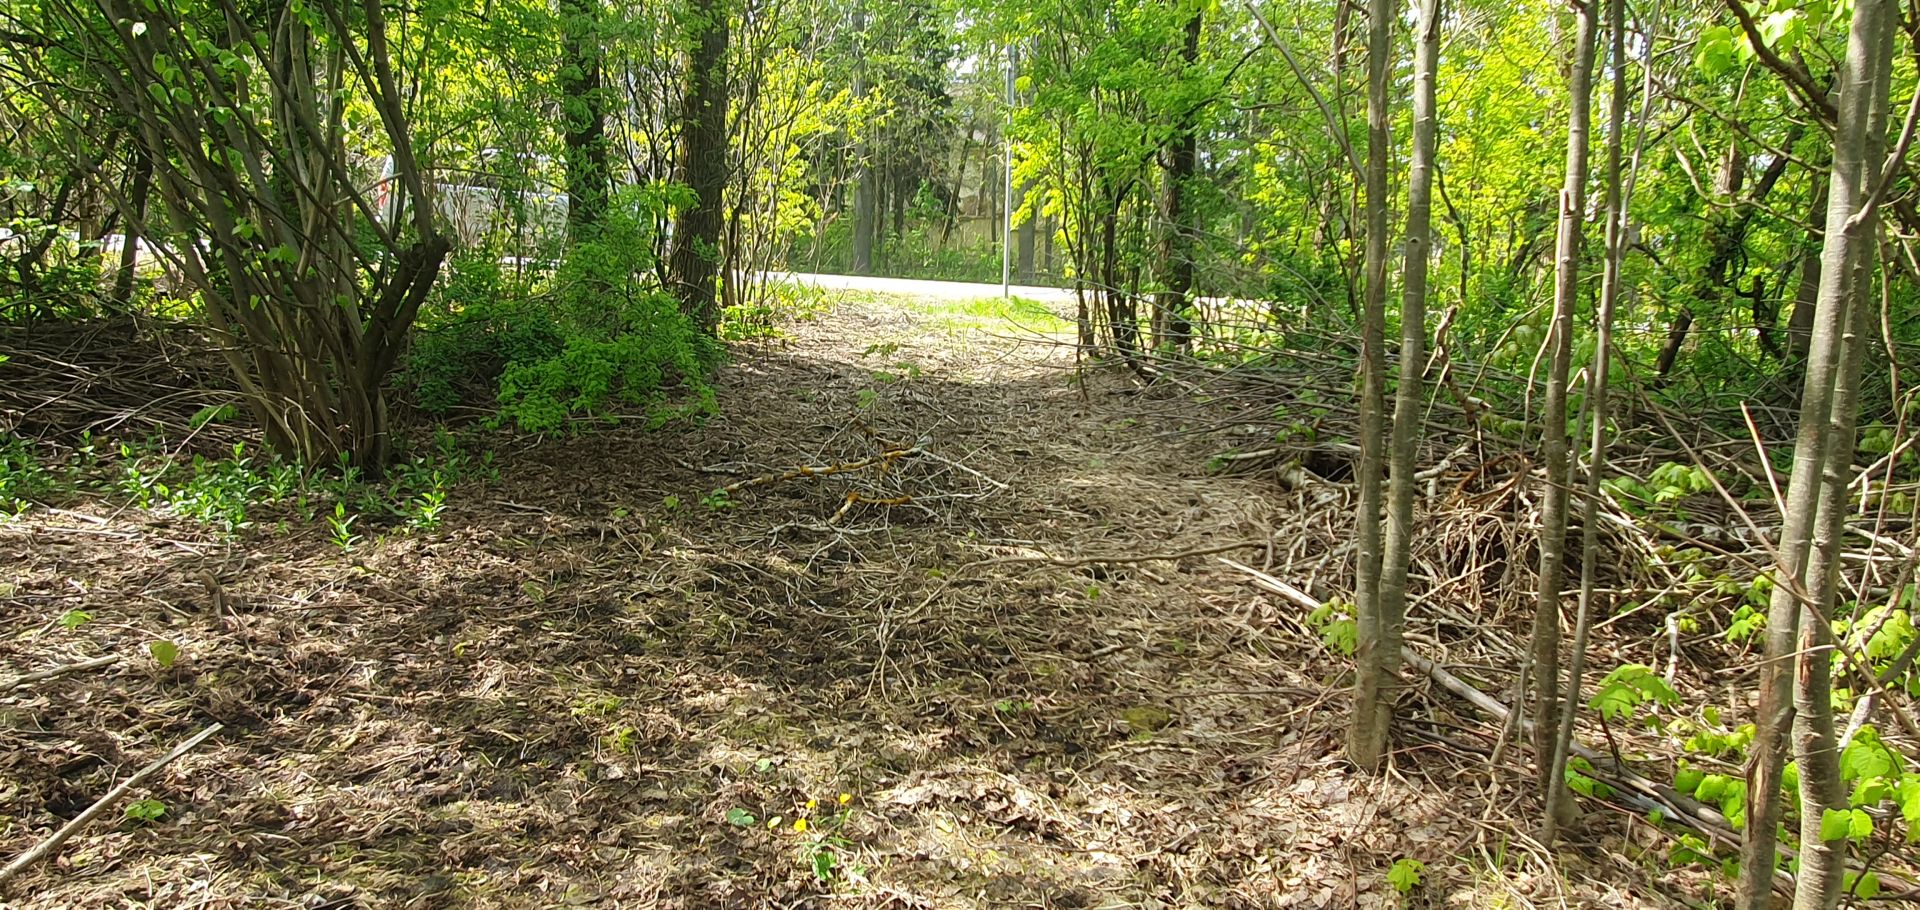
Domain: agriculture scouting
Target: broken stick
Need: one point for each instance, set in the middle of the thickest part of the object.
(20, 682)
(46, 847)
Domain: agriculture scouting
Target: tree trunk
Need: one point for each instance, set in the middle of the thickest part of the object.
(133, 230)
(1559, 796)
(1545, 644)
(1726, 240)
(1825, 435)
(1024, 237)
(1807, 295)
(1170, 320)
(703, 167)
(583, 108)
(1822, 862)
(1363, 749)
(1377, 713)
(1122, 319)
(865, 212)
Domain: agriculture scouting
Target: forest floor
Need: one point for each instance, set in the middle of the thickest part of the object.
(596, 684)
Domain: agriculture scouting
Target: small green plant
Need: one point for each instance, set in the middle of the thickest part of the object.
(23, 478)
(1406, 874)
(164, 652)
(1011, 707)
(717, 501)
(146, 811)
(74, 619)
(1334, 621)
(340, 524)
(1629, 687)
(741, 818)
(823, 837)
(1579, 779)
(597, 705)
(1667, 485)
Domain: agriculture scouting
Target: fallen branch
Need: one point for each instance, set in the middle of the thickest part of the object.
(20, 682)
(884, 458)
(46, 847)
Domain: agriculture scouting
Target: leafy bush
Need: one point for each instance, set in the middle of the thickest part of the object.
(481, 321)
(22, 477)
(596, 336)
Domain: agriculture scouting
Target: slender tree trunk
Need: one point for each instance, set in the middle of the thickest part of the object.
(1171, 326)
(1122, 319)
(865, 211)
(1726, 240)
(1024, 237)
(1377, 713)
(1046, 249)
(584, 117)
(133, 231)
(1822, 862)
(703, 167)
(1825, 403)
(1363, 747)
(1559, 797)
(1545, 645)
(1807, 295)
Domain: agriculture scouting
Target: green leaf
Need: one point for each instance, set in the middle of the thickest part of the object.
(74, 619)
(740, 817)
(823, 863)
(1405, 874)
(1713, 54)
(1835, 823)
(164, 652)
(146, 810)
(1860, 826)
(1909, 799)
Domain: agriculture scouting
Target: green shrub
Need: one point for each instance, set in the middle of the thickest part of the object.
(479, 322)
(595, 337)
(23, 478)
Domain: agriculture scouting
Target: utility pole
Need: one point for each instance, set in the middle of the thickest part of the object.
(1006, 225)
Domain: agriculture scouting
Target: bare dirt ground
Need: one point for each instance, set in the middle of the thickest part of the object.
(595, 685)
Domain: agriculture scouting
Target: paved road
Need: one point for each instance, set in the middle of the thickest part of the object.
(946, 290)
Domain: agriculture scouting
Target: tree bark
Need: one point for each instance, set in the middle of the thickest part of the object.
(1363, 749)
(583, 108)
(1171, 323)
(1823, 863)
(1807, 295)
(1726, 240)
(1825, 404)
(1545, 644)
(1024, 236)
(133, 230)
(1377, 714)
(865, 211)
(1559, 796)
(703, 167)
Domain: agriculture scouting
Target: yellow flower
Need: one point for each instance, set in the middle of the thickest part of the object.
(813, 803)
(846, 798)
(800, 825)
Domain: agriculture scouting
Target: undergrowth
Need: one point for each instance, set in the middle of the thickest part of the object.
(590, 339)
(239, 490)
